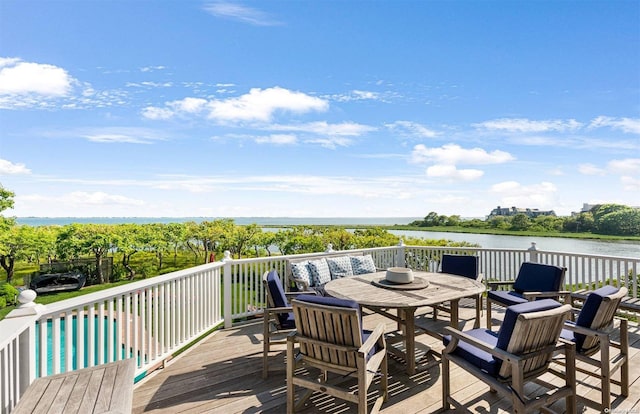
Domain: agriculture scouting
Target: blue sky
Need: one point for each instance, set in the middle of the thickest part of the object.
(318, 109)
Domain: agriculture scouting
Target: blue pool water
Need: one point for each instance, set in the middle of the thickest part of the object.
(104, 326)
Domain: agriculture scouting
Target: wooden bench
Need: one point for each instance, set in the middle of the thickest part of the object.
(628, 304)
(104, 388)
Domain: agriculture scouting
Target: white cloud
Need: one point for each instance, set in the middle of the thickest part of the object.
(189, 105)
(450, 171)
(411, 129)
(357, 95)
(152, 68)
(20, 78)
(148, 84)
(9, 168)
(365, 95)
(80, 199)
(512, 193)
(628, 125)
(154, 113)
(130, 135)
(324, 128)
(626, 166)
(240, 13)
(330, 142)
(99, 197)
(526, 125)
(630, 183)
(261, 104)
(453, 154)
(590, 169)
(277, 139)
(258, 105)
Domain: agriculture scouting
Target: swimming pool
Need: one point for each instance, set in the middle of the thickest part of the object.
(74, 343)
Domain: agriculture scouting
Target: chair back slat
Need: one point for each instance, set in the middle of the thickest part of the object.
(535, 335)
(328, 334)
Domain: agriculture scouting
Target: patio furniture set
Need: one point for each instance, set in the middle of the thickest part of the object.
(539, 334)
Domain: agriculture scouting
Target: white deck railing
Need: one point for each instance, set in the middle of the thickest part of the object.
(151, 320)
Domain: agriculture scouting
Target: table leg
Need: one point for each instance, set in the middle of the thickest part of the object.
(454, 313)
(410, 339)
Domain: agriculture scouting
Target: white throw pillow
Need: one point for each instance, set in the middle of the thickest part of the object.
(363, 264)
(319, 270)
(340, 266)
(300, 271)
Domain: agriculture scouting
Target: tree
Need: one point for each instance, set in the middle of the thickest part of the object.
(374, 237)
(162, 239)
(548, 223)
(6, 202)
(129, 239)
(76, 240)
(264, 240)
(499, 222)
(623, 222)
(44, 243)
(240, 238)
(453, 221)
(431, 219)
(7, 229)
(339, 238)
(14, 245)
(520, 222)
(585, 222)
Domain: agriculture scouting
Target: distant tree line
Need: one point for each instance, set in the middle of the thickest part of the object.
(204, 242)
(608, 219)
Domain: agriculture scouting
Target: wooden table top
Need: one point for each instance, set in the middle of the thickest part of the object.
(442, 287)
(104, 388)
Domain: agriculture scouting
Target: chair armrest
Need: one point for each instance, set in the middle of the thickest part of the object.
(305, 292)
(276, 310)
(494, 285)
(570, 326)
(300, 284)
(368, 345)
(505, 356)
(554, 294)
(457, 336)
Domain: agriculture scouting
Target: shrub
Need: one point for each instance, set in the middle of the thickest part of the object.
(8, 293)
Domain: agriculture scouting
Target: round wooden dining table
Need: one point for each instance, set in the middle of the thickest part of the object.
(373, 292)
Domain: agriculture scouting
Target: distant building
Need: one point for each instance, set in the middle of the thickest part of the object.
(586, 207)
(512, 211)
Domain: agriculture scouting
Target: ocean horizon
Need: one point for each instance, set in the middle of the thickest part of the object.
(264, 221)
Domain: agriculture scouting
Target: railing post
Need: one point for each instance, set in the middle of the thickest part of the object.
(228, 320)
(27, 339)
(533, 253)
(400, 251)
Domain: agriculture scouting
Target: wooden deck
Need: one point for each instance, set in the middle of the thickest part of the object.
(223, 374)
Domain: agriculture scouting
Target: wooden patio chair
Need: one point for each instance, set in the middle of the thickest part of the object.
(278, 318)
(534, 281)
(518, 354)
(592, 333)
(331, 339)
(462, 265)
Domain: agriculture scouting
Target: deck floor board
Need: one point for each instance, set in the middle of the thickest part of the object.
(223, 374)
